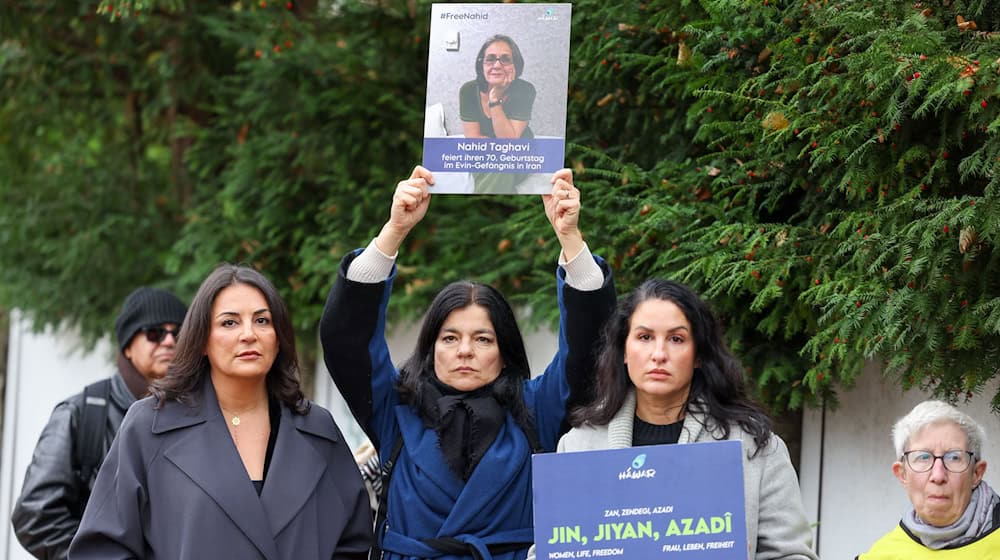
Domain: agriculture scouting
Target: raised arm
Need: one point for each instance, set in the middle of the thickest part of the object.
(352, 328)
(586, 299)
(409, 205)
(562, 208)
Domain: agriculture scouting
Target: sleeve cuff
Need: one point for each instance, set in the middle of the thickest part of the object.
(582, 271)
(371, 266)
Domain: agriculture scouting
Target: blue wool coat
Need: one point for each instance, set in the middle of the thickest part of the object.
(173, 487)
(426, 499)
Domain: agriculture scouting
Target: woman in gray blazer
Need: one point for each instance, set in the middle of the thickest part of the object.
(228, 459)
(665, 375)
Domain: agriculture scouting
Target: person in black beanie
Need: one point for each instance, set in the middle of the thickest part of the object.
(79, 433)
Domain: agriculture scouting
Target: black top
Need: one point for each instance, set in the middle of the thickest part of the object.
(644, 433)
(274, 411)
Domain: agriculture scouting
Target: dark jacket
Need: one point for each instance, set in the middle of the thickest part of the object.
(174, 487)
(53, 496)
(427, 502)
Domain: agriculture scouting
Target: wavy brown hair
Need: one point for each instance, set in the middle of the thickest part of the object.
(191, 365)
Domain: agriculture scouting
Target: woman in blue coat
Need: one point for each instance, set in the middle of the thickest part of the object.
(458, 422)
(227, 459)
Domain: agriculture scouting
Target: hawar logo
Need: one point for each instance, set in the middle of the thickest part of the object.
(639, 461)
(636, 471)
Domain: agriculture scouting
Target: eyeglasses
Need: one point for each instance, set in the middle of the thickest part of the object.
(157, 334)
(954, 461)
(490, 60)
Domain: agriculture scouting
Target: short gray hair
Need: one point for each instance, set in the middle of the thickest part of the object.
(937, 412)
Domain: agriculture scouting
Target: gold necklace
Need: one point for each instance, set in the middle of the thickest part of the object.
(235, 420)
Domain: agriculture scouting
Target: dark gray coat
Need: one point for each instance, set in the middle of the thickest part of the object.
(173, 486)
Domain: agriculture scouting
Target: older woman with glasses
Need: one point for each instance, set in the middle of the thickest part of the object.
(497, 104)
(955, 514)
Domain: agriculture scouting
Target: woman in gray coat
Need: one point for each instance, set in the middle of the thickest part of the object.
(665, 375)
(227, 459)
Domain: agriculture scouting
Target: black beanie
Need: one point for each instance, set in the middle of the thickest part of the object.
(147, 307)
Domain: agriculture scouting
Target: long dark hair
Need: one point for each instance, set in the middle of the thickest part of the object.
(418, 371)
(190, 365)
(718, 387)
(515, 54)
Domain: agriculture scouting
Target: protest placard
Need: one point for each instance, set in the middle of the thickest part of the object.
(681, 502)
(495, 117)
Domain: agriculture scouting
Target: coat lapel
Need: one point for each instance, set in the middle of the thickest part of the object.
(296, 466)
(620, 427)
(422, 449)
(205, 452)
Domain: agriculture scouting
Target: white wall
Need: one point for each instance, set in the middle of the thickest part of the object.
(42, 369)
(846, 470)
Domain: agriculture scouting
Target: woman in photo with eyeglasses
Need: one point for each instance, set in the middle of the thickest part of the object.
(227, 458)
(497, 104)
(954, 513)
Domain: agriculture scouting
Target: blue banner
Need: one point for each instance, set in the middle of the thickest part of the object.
(492, 155)
(664, 501)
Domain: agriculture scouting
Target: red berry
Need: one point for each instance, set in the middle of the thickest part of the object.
(857, 304)
(945, 155)
(708, 110)
(289, 5)
(966, 93)
(923, 57)
(277, 48)
(257, 53)
(983, 104)
(816, 281)
(916, 74)
(946, 230)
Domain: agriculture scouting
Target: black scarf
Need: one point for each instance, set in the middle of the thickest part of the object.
(466, 423)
